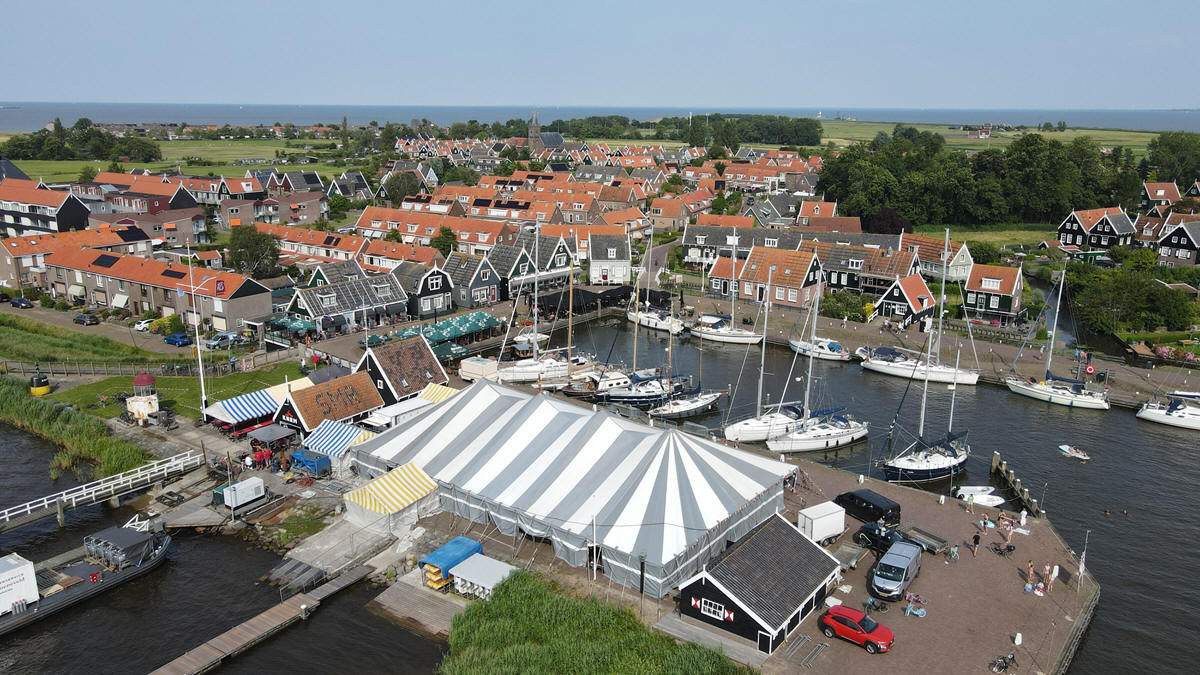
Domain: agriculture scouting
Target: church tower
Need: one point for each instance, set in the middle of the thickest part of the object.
(535, 135)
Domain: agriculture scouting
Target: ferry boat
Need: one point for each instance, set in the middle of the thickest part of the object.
(107, 559)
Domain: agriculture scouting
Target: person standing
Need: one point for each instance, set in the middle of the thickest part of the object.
(1053, 576)
(975, 546)
(1046, 575)
(971, 503)
(1029, 572)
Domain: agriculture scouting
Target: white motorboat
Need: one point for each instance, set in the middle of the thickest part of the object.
(688, 406)
(1175, 413)
(594, 382)
(821, 433)
(820, 348)
(547, 369)
(960, 491)
(897, 363)
(656, 319)
(717, 328)
(529, 338)
(1054, 389)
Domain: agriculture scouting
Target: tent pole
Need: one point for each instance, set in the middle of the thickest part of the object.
(596, 552)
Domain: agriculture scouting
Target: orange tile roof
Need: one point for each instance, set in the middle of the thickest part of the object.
(722, 267)
(239, 186)
(929, 249)
(48, 243)
(302, 235)
(623, 216)
(724, 221)
(1009, 278)
(1089, 217)
(114, 178)
(670, 208)
(1169, 191)
(818, 208)
(149, 271)
(424, 255)
(152, 185)
(27, 195)
(790, 266)
(336, 399)
(916, 292)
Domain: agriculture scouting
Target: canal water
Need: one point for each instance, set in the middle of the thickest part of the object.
(1145, 560)
(208, 585)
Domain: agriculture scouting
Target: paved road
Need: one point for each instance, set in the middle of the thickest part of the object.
(658, 261)
(115, 331)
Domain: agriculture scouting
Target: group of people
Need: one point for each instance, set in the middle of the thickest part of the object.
(1045, 584)
(1004, 524)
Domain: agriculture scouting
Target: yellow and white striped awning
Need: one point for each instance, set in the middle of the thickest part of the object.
(394, 490)
(437, 392)
(363, 437)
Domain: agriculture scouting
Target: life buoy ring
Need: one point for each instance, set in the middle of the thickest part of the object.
(1090, 370)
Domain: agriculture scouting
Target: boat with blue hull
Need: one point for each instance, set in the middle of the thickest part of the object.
(925, 461)
(106, 560)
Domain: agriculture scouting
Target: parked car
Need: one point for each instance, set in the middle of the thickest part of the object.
(4, 297)
(879, 538)
(895, 571)
(86, 319)
(143, 325)
(226, 338)
(22, 303)
(178, 339)
(850, 624)
(869, 506)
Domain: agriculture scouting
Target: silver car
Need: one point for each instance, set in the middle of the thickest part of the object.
(894, 572)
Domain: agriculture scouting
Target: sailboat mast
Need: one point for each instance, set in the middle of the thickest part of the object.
(762, 362)
(637, 301)
(734, 286)
(537, 274)
(570, 314)
(925, 392)
(942, 302)
(954, 389)
(1054, 330)
(816, 308)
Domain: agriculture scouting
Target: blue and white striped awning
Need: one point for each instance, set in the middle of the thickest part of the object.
(245, 407)
(332, 438)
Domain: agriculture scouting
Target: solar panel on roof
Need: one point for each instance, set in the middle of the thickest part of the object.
(332, 240)
(174, 274)
(105, 260)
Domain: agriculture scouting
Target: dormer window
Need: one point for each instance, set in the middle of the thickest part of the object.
(328, 300)
(990, 284)
(435, 283)
(612, 253)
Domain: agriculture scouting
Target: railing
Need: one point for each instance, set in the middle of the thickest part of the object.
(217, 363)
(113, 486)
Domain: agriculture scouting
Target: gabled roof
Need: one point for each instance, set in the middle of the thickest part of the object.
(601, 244)
(1162, 191)
(335, 400)
(888, 263)
(462, 267)
(152, 272)
(790, 266)
(916, 292)
(159, 218)
(670, 208)
(504, 259)
(345, 297)
(410, 274)
(303, 236)
(1009, 278)
(724, 221)
(407, 365)
(726, 268)
(544, 249)
(772, 570)
(73, 239)
(929, 249)
(425, 255)
(623, 216)
(1089, 217)
(341, 270)
(18, 190)
(808, 208)
(850, 224)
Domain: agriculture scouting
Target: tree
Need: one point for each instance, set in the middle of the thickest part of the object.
(985, 252)
(1141, 260)
(253, 253)
(697, 134)
(114, 167)
(725, 135)
(1176, 156)
(400, 185)
(393, 235)
(720, 167)
(87, 174)
(445, 241)
(338, 205)
(887, 221)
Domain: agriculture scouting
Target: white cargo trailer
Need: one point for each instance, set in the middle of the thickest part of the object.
(823, 523)
(242, 493)
(18, 583)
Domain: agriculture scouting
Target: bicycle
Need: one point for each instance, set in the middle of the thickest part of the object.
(1002, 550)
(1004, 663)
(952, 554)
(873, 605)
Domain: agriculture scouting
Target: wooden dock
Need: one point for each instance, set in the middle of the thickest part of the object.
(236, 640)
(419, 607)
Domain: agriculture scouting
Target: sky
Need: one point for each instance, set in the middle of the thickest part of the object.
(722, 55)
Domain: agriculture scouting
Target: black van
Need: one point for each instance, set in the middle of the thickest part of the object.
(869, 507)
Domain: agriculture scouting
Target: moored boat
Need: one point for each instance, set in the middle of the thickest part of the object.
(1175, 413)
(821, 348)
(717, 328)
(107, 559)
(897, 363)
(687, 406)
(656, 319)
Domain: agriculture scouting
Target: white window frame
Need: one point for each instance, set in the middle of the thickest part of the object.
(435, 283)
(714, 610)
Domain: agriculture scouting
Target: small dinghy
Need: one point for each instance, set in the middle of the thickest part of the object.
(982, 495)
(1074, 452)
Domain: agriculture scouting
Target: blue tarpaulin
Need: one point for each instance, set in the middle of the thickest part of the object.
(452, 553)
(311, 462)
(249, 406)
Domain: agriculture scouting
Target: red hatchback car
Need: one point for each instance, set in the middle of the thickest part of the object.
(857, 627)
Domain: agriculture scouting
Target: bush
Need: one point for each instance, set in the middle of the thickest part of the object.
(167, 325)
(62, 305)
(46, 301)
(844, 303)
(150, 314)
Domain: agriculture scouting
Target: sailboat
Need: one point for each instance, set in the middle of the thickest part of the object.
(690, 405)
(721, 328)
(550, 368)
(1055, 389)
(768, 425)
(924, 459)
(1175, 412)
(900, 362)
(820, 348)
(653, 318)
(823, 429)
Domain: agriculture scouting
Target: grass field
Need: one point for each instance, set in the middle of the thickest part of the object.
(180, 393)
(1016, 233)
(844, 133)
(25, 339)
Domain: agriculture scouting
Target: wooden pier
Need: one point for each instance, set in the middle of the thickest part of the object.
(1021, 495)
(418, 607)
(256, 629)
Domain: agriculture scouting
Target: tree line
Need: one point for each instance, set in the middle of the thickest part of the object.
(730, 131)
(1035, 179)
(81, 140)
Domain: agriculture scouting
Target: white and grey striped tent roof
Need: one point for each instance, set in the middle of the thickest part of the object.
(561, 467)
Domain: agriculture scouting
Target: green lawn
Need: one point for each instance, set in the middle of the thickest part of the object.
(1008, 234)
(845, 132)
(25, 339)
(180, 393)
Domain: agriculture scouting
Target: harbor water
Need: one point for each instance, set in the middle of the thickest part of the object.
(208, 585)
(1144, 560)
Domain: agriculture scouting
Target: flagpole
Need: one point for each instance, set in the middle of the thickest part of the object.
(1083, 561)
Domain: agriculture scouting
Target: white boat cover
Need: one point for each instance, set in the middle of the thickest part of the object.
(577, 476)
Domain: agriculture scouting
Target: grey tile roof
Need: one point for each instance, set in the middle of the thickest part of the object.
(772, 570)
(600, 244)
(409, 274)
(347, 296)
(716, 235)
(602, 173)
(462, 267)
(544, 249)
(336, 272)
(552, 139)
(503, 257)
(1121, 223)
(885, 241)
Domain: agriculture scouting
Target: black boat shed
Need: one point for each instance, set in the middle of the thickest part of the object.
(763, 585)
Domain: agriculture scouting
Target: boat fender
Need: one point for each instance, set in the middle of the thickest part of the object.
(860, 479)
(941, 499)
